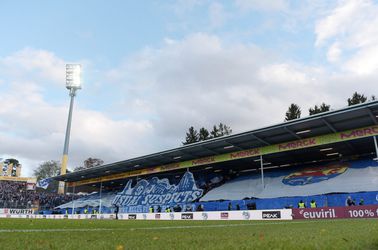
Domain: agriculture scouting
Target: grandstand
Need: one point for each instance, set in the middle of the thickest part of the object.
(324, 157)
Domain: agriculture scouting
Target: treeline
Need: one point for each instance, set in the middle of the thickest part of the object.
(203, 134)
(294, 111)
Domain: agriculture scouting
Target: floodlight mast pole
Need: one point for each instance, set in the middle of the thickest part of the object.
(73, 74)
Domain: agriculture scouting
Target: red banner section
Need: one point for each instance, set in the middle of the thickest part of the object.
(370, 211)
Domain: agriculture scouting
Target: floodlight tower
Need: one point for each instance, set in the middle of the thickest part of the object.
(73, 83)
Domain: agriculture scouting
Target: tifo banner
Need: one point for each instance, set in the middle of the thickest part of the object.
(15, 211)
(344, 177)
(271, 149)
(336, 212)
(157, 192)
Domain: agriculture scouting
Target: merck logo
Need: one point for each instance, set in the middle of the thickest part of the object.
(297, 144)
(359, 133)
(245, 153)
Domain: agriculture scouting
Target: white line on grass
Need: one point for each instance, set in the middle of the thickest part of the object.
(150, 228)
(224, 225)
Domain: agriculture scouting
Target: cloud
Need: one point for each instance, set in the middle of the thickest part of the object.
(40, 65)
(266, 5)
(334, 53)
(156, 95)
(32, 128)
(349, 31)
(200, 81)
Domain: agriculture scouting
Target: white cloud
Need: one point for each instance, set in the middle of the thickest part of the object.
(349, 30)
(265, 5)
(157, 94)
(40, 65)
(32, 129)
(364, 62)
(200, 81)
(334, 53)
(283, 74)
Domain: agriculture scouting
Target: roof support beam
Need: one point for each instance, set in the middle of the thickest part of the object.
(332, 128)
(211, 151)
(292, 133)
(259, 139)
(372, 116)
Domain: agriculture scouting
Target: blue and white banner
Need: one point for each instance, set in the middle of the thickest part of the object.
(157, 192)
(44, 183)
(341, 177)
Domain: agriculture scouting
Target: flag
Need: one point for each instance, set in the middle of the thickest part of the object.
(44, 183)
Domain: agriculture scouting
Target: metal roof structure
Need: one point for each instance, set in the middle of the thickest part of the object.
(357, 116)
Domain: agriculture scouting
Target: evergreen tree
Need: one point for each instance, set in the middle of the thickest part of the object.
(191, 136)
(357, 99)
(322, 108)
(215, 132)
(204, 134)
(224, 129)
(293, 112)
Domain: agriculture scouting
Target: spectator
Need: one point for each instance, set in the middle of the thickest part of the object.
(14, 194)
(200, 208)
(301, 204)
(361, 203)
(349, 202)
(313, 204)
(177, 208)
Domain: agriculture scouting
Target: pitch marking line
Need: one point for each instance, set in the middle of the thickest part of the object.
(149, 228)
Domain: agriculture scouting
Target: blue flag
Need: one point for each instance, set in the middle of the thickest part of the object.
(44, 183)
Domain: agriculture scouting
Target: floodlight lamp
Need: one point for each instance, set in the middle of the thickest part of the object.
(73, 76)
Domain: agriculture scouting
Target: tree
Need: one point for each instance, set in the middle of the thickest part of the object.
(204, 134)
(90, 163)
(224, 129)
(322, 108)
(191, 136)
(357, 99)
(47, 169)
(293, 112)
(215, 132)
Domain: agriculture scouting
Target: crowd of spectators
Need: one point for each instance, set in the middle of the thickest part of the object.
(14, 194)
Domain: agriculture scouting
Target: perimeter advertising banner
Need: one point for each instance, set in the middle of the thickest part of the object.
(370, 211)
(271, 149)
(15, 211)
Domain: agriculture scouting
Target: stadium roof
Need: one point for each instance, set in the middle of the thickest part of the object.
(352, 117)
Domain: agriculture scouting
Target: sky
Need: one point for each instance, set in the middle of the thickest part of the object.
(152, 69)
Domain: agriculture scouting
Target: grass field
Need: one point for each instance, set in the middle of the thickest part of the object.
(111, 234)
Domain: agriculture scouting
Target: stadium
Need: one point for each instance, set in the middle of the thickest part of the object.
(318, 167)
(275, 167)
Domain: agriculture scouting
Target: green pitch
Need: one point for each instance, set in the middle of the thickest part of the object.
(111, 234)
